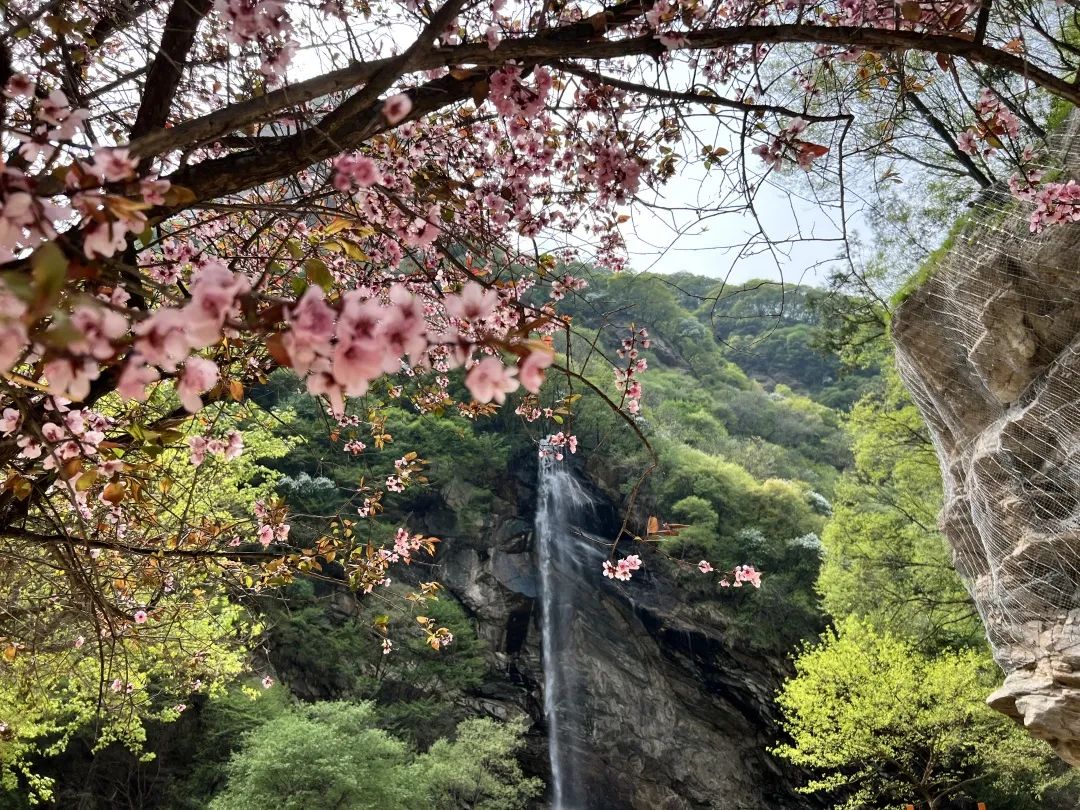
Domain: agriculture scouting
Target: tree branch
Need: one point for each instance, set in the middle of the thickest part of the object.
(168, 66)
(695, 98)
(962, 157)
(580, 41)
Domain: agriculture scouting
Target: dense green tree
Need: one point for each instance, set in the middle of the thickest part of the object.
(327, 756)
(477, 770)
(882, 725)
(884, 558)
(332, 756)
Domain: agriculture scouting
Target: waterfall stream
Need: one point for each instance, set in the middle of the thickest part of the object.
(564, 553)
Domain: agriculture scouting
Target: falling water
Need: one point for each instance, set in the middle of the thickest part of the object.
(562, 552)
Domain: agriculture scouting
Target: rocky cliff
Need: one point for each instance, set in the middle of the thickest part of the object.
(990, 348)
(672, 716)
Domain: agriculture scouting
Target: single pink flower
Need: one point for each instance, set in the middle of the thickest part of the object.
(199, 376)
(396, 108)
(490, 380)
(531, 370)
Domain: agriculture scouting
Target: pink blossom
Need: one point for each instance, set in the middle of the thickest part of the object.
(112, 165)
(267, 682)
(70, 378)
(19, 85)
(104, 239)
(704, 567)
(153, 190)
(387, 646)
(965, 141)
(234, 445)
(531, 369)
(197, 447)
(397, 108)
(30, 447)
(10, 421)
(311, 324)
(140, 617)
(492, 36)
(214, 291)
(1055, 203)
(100, 327)
(276, 60)
(199, 376)
(162, 338)
(320, 382)
(403, 330)
(54, 108)
(356, 364)
(623, 569)
(490, 380)
(266, 534)
(747, 573)
(473, 303)
(135, 377)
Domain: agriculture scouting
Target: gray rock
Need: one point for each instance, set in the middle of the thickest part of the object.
(990, 348)
(671, 715)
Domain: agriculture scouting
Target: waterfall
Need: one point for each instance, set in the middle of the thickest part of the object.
(564, 553)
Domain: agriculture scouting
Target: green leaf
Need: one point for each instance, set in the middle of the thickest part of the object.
(318, 273)
(49, 271)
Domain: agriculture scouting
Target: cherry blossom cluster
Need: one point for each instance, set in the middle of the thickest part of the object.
(623, 569)
(405, 469)
(405, 545)
(271, 519)
(555, 444)
(995, 121)
(229, 447)
(1055, 202)
(626, 378)
(664, 18)
(512, 97)
(27, 219)
(564, 284)
(341, 353)
(54, 120)
(737, 576)
(787, 145)
(265, 23)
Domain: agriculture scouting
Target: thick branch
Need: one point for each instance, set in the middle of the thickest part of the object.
(168, 66)
(983, 19)
(121, 15)
(364, 100)
(246, 170)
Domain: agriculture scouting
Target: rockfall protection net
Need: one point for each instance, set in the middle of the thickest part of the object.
(989, 346)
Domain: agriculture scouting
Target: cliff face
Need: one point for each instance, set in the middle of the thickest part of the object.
(670, 716)
(990, 348)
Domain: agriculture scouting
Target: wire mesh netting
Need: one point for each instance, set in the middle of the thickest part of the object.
(989, 346)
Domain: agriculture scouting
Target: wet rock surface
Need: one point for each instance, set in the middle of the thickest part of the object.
(671, 716)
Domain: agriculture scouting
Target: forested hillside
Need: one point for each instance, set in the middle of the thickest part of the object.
(768, 450)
